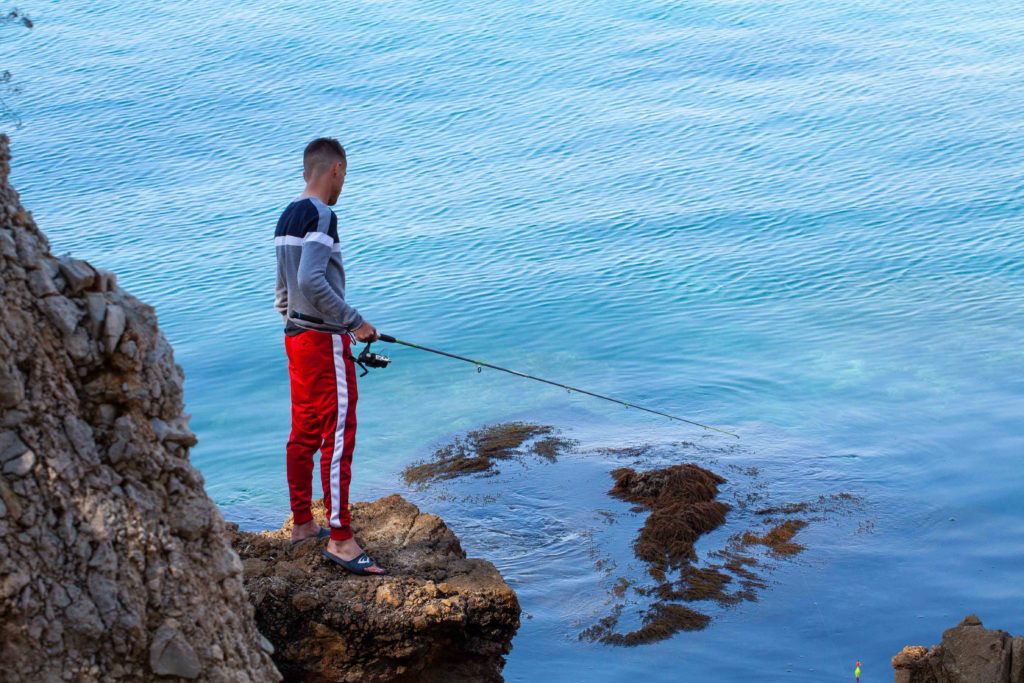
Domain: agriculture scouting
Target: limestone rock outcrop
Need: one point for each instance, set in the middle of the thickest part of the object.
(114, 564)
(968, 653)
(436, 616)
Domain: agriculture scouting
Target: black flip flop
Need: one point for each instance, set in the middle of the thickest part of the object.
(357, 565)
(323, 533)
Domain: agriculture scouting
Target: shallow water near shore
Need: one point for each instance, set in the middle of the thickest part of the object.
(799, 222)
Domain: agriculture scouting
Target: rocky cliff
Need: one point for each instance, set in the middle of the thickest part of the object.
(437, 616)
(969, 653)
(114, 564)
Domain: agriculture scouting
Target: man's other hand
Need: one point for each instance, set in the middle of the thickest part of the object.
(366, 333)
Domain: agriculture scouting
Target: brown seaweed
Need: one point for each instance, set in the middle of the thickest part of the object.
(660, 621)
(479, 450)
(682, 506)
(779, 537)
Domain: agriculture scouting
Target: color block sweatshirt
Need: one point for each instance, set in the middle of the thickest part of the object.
(310, 274)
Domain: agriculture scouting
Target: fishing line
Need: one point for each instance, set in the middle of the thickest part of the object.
(378, 361)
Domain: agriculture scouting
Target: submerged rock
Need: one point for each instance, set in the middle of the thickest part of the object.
(114, 564)
(436, 616)
(968, 653)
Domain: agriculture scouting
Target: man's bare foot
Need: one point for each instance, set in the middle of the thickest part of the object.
(303, 531)
(350, 550)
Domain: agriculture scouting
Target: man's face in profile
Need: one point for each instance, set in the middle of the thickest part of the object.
(338, 178)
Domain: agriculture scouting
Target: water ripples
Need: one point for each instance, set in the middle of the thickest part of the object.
(799, 222)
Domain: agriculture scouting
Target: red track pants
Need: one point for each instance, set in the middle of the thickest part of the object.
(323, 388)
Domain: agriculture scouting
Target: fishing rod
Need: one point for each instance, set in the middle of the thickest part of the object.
(376, 360)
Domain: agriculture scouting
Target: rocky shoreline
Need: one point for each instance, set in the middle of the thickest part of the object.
(113, 561)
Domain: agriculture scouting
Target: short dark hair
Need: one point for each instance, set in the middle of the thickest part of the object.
(320, 153)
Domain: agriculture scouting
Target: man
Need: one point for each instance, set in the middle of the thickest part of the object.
(319, 328)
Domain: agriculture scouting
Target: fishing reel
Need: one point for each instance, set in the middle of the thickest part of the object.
(371, 359)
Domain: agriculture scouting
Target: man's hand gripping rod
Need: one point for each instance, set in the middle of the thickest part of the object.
(377, 361)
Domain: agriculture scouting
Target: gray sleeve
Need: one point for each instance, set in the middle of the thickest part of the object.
(312, 280)
(281, 291)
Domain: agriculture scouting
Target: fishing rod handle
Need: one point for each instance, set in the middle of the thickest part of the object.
(386, 338)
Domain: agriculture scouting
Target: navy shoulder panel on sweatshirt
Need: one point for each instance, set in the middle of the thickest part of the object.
(311, 275)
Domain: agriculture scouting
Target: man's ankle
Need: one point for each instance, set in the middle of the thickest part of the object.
(304, 527)
(340, 546)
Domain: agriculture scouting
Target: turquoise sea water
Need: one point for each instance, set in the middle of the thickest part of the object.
(800, 221)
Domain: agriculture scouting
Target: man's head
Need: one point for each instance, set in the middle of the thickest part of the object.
(324, 166)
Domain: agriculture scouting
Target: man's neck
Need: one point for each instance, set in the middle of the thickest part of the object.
(322, 195)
